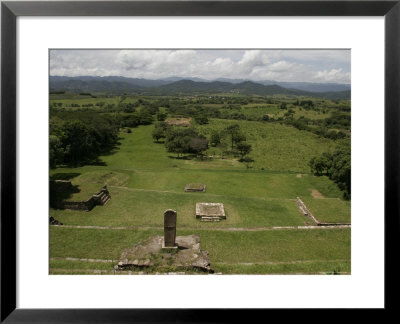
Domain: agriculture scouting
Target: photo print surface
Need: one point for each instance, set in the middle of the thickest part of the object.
(199, 162)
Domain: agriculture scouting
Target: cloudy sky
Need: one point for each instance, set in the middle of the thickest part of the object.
(278, 65)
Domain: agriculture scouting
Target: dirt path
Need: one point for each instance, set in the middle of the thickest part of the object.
(279, 262)
(79, 271)
(226, 229)
(111, 272)
(316, 194)
(223, 263)
(95, 271)
(83, 260)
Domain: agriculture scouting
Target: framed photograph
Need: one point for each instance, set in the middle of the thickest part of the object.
(191, 155)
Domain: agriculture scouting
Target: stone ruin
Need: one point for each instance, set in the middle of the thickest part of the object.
(53, 221)
(195, 187)
(169, 229)
(210, 212)
(168, 253)
(306, 212)
(98, 199)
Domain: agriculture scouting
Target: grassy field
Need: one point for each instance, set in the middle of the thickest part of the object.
(329, 210)
(256, 110)
(273, 251)
(275, 146)
(144, 180)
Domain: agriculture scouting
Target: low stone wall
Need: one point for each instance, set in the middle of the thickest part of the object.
(303, 208)
(54, 221)
(196, 187)
(100, 198)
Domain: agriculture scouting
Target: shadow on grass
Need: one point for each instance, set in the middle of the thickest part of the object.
(183, 157)
(76, 164)
(112, 148)
(192, 157)
(60, 190)
(63, 176)
(95, 160)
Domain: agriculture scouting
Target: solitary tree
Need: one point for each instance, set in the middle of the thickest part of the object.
(158, 133)
(247, 160)
(232, 131)
(238, 138)
(243, 148)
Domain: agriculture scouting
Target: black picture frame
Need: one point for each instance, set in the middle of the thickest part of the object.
(11, 10)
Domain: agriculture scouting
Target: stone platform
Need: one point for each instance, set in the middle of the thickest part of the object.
(195, 187)
(149, 256)
(210, 212)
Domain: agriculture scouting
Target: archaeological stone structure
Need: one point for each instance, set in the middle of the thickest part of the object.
(210, 212)
(53, 221)
(169, 228)
(98, 199)
(195, 187)
(168, 253)
(306, 212)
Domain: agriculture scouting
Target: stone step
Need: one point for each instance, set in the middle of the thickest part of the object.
(210, 219)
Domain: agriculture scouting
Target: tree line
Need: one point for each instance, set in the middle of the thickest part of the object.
(79, 137)
(335, 165)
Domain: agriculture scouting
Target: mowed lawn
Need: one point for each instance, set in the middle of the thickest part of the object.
(135, 207)
(271, 251)
(329, 210)
(144, 180)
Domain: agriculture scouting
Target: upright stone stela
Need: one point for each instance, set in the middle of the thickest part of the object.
(169, 229)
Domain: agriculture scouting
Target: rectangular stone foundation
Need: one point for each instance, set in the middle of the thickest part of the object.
(195, 187)
(210, 212)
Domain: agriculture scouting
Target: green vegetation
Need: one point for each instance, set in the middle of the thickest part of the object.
(185, 140)
(274, 146)
(247, 150)
(80, 138)
(329, 210)
(337, 166)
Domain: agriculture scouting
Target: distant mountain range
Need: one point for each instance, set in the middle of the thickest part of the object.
(304, 86)
(191, 86)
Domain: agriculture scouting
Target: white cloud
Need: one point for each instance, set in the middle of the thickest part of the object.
(334, 75)
(279, 65)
